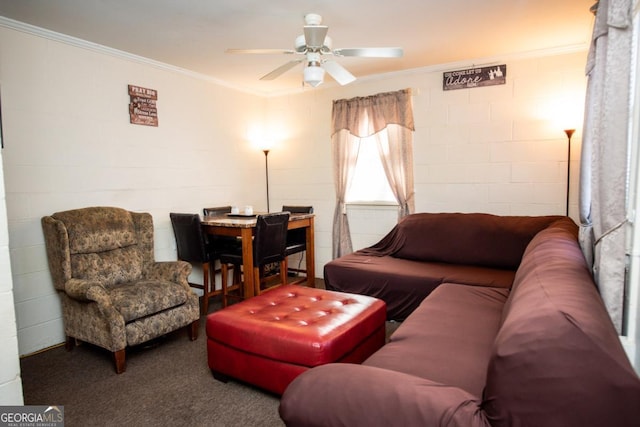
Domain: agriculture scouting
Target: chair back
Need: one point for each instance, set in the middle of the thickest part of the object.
(297, 236)
(270, 239)
(216, 211)
(297, 209)
(105, 244)
(190, 240)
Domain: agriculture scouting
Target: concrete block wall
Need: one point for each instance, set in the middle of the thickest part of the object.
(497, 149)
(10, 382)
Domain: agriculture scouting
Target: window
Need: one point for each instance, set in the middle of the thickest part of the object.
(369, 182)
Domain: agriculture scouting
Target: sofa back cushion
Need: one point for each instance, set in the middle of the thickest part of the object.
(557, 359)
(102, 244)
(474, 239)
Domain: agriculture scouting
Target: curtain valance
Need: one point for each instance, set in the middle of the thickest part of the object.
(381, 110)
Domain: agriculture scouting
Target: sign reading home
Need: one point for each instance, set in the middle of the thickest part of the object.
(142, 108)
(474, 77)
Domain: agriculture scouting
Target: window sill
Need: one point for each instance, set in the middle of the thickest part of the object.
(373, 203)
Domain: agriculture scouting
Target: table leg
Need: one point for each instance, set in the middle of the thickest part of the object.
(247, 266)
(311, 258)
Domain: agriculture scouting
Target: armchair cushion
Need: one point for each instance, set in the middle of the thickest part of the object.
(146, 297)
(110, 267)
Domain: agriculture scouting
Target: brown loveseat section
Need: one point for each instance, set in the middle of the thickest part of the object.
(427, 249)
(539, 352)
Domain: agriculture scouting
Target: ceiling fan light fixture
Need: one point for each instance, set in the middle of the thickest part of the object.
(313, 75)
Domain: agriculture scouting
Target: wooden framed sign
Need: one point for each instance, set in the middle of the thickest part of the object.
(142, 107)
(474, 77)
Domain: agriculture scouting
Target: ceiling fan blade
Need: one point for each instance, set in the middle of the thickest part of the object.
(372, 52)
(281, 70)
(338, 72)
(314, 35)
(261, 51)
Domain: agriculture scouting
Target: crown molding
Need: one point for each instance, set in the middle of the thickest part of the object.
(98, 48)
(483, 61)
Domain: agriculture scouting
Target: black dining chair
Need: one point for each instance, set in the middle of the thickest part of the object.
(269, 244)
(194, 246)
(223, 241)
(297, 241)
(216, 211)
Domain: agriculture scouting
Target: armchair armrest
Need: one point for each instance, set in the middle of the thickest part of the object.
(349, 394)
(85, 290)
(174, 271)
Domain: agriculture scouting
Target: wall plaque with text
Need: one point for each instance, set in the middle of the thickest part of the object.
(474, 77)
(142, 107)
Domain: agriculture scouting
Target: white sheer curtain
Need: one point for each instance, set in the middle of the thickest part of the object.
(345, 156)
(604, 164)
(396, 153)
(356, 118)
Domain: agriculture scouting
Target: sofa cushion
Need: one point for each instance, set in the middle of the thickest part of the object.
(448, 338)
(557, 360)
(474, 238)
(403, 284)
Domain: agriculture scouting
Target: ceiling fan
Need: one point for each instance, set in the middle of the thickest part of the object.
(314, 45)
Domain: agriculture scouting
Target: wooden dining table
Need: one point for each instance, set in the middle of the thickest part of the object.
(244, 227)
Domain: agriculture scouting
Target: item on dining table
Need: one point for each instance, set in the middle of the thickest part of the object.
(235, 210)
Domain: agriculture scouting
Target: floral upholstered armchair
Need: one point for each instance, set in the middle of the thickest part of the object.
(113, 292)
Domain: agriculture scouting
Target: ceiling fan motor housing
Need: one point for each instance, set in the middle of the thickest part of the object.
(301, 45)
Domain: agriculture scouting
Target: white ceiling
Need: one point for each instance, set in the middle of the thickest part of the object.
(193, 34)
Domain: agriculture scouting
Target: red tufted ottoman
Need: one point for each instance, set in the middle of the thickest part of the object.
(270, 339)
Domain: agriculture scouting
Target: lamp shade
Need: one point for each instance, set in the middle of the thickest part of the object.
(313, 75)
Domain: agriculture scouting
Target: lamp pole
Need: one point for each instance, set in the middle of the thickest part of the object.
(266, 168)
(569, 133)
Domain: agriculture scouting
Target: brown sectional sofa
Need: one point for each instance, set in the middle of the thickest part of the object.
(427, 249)
(539, 352)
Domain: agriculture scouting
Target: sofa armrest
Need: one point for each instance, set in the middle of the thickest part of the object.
(349, 394)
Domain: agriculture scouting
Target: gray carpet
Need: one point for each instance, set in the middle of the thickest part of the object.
(166, 383)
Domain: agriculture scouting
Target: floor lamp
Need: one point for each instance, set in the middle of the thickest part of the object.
(266, 168)
(569, 133)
